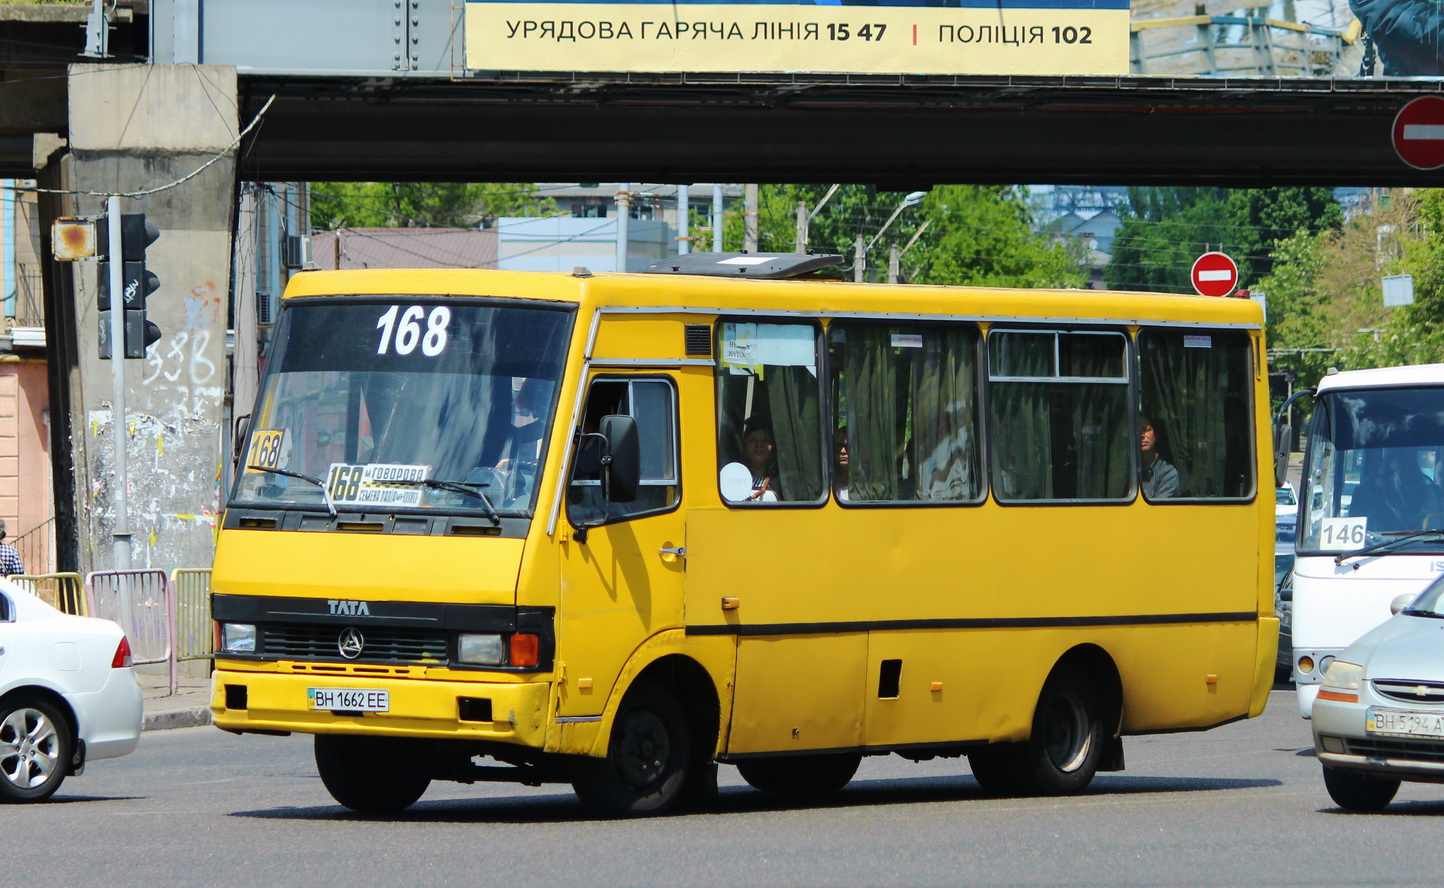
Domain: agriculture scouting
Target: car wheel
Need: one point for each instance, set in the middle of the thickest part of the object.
(648, 757)
(1359, 792)
(35, 747)
(373, 775)
(807, 774)
(1062, 754)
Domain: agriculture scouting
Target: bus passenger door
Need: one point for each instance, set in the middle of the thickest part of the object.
(624, 583)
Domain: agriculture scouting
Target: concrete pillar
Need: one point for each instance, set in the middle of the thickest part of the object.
(136, 129)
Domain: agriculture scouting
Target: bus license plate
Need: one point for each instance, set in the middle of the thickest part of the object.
(1405, 724)
(349, 699)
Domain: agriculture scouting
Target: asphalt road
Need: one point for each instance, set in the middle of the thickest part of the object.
(1239, 805)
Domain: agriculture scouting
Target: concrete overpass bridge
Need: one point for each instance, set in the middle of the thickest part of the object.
(162, 101)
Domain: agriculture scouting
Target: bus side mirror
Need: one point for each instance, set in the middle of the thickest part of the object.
(1283, 435)
(243, 426)
(622, 463)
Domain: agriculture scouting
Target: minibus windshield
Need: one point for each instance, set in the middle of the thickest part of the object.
(383, 404)
(1373, 472)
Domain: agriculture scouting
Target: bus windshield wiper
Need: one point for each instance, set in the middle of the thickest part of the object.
(325, 494)
(1400, 538)
(474, 490)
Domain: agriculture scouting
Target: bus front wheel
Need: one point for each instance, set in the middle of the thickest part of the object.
(373, 775)
(809, 774)
(646, 767)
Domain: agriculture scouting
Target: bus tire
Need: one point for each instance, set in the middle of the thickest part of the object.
(35, 749)
(1359, 792)
(372, 775)
(648, 757)
(997, 768)
(802, 774)
(1066, 745)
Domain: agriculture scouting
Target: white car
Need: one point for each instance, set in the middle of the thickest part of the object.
(68, 695)
(1286, 503)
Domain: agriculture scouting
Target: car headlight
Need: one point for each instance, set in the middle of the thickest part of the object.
(480, 650)
(238, 638)
(1343, 676)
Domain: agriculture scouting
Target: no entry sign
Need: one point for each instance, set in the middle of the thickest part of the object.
(1419, 133)
(1214, 274)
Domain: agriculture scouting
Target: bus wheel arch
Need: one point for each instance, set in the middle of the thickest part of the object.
(660, 744)
(1074, 734)
(1075, 724)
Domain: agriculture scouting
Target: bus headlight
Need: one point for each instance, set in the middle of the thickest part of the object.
(238, 638)
(480, 650)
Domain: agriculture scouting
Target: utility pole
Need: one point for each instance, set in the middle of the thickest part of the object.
(749, 210)
(624, 215)
(859, 265)
(684, 222)
(120, 535)
(717, 217)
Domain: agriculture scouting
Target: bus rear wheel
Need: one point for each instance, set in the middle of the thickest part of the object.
(648, 757)
(810, 774)
(1061, 756)
(1359, 792)
(372, 775)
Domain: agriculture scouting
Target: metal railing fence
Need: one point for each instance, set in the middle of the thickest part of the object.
(62, 591)
(194, 632)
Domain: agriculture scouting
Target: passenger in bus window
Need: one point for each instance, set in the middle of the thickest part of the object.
(761, 455)
(1160, 478)
(839, 464)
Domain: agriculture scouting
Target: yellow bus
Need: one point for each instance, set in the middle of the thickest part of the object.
(613, 529)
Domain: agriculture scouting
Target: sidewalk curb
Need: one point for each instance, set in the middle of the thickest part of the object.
(176, 718)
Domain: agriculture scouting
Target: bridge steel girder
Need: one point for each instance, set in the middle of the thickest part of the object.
(1255, 132)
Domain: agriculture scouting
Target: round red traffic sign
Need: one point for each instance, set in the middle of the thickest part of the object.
(1214, 274)
(1419, 133)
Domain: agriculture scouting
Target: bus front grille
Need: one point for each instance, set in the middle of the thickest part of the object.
(385, 644)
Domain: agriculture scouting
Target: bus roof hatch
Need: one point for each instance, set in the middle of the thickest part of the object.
(766, 266)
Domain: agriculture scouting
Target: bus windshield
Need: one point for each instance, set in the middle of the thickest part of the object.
(407, 402)
(1373, 471)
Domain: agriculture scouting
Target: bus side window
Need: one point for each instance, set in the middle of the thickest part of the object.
(770, 445)
(652, 402)
(1061, 427)
(1195, 384)
(906, 399)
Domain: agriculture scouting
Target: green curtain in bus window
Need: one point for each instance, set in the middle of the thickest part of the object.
(872, 395)
(1021, 416)
(1100, 423)
(1197, 384)
(796, 427)
(943, 406)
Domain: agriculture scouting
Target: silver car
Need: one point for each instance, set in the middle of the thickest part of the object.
(1379, 716)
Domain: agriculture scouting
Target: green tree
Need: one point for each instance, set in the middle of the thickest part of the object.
(420, 204)
(1168, 228)
(1264, 217)
(1156, 245)
(969, 234)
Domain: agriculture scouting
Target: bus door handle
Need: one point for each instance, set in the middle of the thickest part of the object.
(673, 553)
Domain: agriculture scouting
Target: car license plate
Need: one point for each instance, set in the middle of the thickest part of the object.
(1402, 723)
(349, 699)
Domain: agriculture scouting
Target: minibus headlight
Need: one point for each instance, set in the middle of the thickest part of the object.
(238, 638)
(1343, 676)
(480, 650)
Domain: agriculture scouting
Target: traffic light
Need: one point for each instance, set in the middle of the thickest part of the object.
(136, 282)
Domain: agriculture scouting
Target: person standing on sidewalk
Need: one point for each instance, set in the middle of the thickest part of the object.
(10, 562)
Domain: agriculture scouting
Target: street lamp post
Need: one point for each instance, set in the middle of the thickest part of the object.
(860, 265)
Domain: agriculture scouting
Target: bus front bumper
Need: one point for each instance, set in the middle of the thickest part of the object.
(270, 702)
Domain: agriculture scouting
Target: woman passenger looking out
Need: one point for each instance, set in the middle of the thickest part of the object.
(760, 453)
